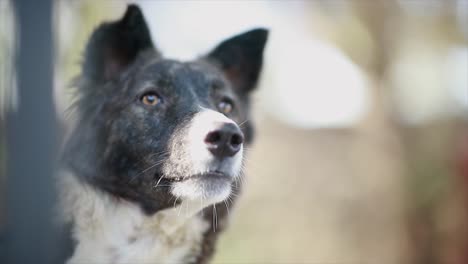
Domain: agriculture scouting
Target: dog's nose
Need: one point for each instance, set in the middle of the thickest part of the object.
(224, 141)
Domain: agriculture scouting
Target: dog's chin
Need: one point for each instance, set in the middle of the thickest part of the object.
(210, 188)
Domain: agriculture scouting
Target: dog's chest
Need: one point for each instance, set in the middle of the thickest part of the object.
(109, 231)
(129, 243)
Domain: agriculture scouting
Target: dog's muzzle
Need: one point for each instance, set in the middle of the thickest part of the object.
(206, 157)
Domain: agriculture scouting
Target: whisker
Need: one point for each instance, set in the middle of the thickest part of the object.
(180, 209)
(236, 184)
(201, 206)
(158, 153)
(175, 201)
(164, 185)
(240, 125)
(227, 207)
(145, 170)
(246, 148)
(152, 166)
(212, 220)
(215, 218)
(242, 176)
(160, 178)
(142, 158)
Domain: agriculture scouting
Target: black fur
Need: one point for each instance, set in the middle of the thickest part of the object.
(241, 58)
(113, 46)
(118, 140)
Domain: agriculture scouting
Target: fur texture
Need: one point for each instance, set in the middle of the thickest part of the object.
(157, 147)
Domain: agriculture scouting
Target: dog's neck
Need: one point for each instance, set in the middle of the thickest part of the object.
(110, 230)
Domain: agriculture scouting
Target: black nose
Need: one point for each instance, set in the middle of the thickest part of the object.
(224, 141)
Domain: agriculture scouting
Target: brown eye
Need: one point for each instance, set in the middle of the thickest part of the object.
(225, 107)
(150, 99)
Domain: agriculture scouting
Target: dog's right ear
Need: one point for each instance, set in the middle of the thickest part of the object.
(115, 45)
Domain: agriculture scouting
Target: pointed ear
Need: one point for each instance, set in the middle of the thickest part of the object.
(241, 57)
(115, 45)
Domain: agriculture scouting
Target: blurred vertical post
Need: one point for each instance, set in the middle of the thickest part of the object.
(31, 140)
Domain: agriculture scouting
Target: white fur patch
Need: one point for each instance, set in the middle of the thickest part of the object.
(207, 192)
(110, 230)
(197, 159)
(200, 157)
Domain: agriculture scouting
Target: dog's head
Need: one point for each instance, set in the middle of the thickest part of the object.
(156, 131)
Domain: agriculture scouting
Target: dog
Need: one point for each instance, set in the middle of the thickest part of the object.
(155, 158)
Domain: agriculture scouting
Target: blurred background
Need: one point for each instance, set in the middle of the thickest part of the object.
(361, 152)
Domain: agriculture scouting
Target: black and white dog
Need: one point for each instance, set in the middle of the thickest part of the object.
(158, 145)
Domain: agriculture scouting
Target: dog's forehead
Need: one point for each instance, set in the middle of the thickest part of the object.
(174, 71)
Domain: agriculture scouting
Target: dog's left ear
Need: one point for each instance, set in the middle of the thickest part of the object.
(115, 45)
(241, 58)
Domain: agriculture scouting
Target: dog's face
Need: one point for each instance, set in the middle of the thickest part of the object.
(156, 131)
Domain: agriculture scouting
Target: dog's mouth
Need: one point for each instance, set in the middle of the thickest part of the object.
(211, 175)
(211, 186)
